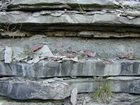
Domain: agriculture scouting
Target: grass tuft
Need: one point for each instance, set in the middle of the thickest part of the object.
(103, 92)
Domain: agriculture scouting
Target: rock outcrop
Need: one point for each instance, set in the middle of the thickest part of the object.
(24, 89)
(54, 52)
(71, 18)
(91, 68)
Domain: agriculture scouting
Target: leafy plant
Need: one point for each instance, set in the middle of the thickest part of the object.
(103, 92)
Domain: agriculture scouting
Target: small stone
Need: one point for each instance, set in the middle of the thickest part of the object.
(36, 59)
(58, 79)
(37, 47)
(75, 59)
(70, 55)
(87, 100)
(89, 53)
(30, 61)
(18, 54)
(123, 78)
(74, 96)
(66, 59)
(50, 80)
(57, 14)
(8, 55)
(45, 52)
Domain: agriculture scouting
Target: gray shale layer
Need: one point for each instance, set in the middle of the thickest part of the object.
(52, 49)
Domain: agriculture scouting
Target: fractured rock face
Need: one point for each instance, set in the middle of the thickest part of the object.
(24, 89)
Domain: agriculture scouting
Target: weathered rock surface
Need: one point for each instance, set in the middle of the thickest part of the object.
(85, 99)
(125, 84)
(44, 16)
(24, 89)
(73, 98)
(76, 18)
(104, 48)
(57, 4)
(87, 68)
(117, 99)
(49, 21)
(8, 55)
(117, 84)
(56, 89)
(69, 4)
(69, 17)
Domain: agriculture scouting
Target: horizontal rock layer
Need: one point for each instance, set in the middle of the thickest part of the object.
(57, 89)
(104, 48)
(24, 89)
(89, 68)
(117, 84)
(69, 17)
(85, 99)
(70, 4)
(70, 23)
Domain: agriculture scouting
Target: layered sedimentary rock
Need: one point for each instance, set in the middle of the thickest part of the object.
(71, 4)
(53, 63)
(89, 68)
(57, 89)
(24, 89)
(71, 18)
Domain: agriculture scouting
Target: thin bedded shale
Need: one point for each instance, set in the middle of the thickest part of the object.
(50, 68)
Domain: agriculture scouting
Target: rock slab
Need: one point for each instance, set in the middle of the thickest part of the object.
(24, 89)
(117, 84)
(69, 68)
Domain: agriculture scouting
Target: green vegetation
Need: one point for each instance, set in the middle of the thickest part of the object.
(81, 8)
(27, 52)
(103, 92)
